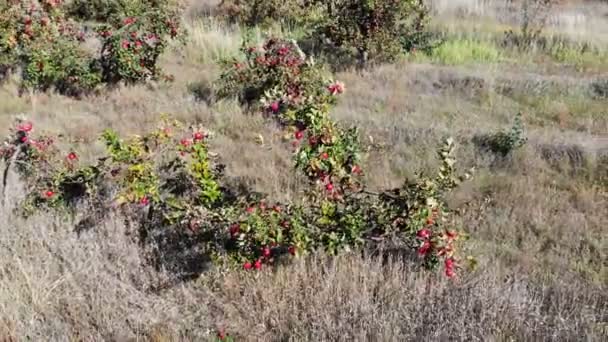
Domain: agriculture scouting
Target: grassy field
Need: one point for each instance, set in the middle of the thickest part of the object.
(538, 219)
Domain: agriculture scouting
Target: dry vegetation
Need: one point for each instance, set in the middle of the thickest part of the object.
(538, 218)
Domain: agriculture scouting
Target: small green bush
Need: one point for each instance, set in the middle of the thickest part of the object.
(503, 142)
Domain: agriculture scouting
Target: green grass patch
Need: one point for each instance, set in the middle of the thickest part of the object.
(581, 58)
(464, 51)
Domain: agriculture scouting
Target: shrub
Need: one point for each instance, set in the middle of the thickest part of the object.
(339, 213)
(9, 25)
(265, 12)
(599, 88)
(46, 48)
(95, 10)
(295, 92)
(132, 45)
(505, 142)
(112, 11)
(412, 216)
(167, 183)
(277, 65)
(38, 40)
(375, 30)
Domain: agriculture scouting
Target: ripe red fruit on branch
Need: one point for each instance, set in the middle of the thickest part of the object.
(258, 264)
(25, 127)
(72, 156)
(234, 230)
(329, 187)
(247, 265)
(128, 21)
(49, 194)
(424, 233)
(449, 263)
(424, 249)
(144, 200)
(274, 107)
(336, 88)
(299, 135)
(266, 252)
(324, 156)
(198, 136)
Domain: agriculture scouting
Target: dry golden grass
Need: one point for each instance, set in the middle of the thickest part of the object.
(538, 219)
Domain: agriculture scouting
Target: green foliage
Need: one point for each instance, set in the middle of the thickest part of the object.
(96, 10)
(61, 65)
(378, 30)
(505, 142)
(375, 30)
(277, 65)
(113, 11)
(599, 88)
(38, 39)
(132, 45)
(265, 12)
(172, 179)
(339, 214)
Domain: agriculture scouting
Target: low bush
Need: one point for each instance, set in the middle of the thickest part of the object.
(276, 65)
(131, 47)
(599, 88)
(504, 142)
(47, 48)
(167, 181)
